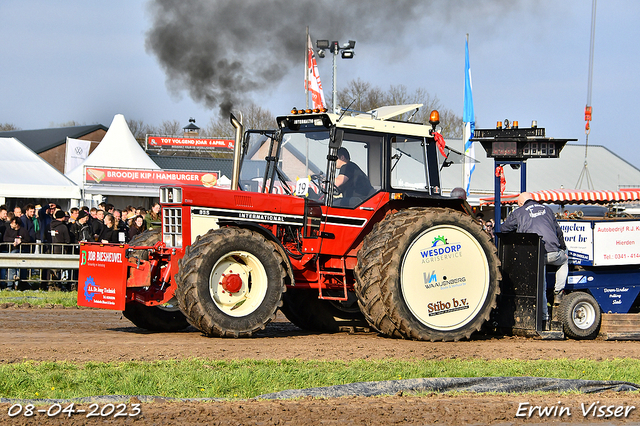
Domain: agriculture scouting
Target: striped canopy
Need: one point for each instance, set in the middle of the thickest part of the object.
(573, 196)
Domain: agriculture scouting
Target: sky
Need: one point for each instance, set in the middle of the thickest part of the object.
(167, 60)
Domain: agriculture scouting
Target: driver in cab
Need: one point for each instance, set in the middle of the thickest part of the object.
(352, 182)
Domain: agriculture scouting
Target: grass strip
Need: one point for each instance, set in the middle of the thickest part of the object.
(39, 297)
(201, 378)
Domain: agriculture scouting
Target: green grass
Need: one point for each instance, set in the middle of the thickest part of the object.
(39, 297)
(195, 378)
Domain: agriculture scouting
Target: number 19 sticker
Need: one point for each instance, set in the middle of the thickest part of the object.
(302, 187)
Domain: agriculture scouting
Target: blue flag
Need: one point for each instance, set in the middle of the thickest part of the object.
(469, 120)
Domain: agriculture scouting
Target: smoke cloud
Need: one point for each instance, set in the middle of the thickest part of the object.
(220, 51)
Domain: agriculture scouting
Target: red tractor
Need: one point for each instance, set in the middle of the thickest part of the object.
(387, 251)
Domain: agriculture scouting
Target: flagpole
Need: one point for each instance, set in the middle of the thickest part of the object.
(464, 140)
(306, 68)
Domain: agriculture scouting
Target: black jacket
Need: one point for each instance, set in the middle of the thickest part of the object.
(535, 218)
(59, 235)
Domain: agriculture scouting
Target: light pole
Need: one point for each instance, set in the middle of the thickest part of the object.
(334, 47)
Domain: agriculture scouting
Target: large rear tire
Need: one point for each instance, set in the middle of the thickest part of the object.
(164, 318)
(302, 307)
(428, 274)
(230, 282)
(580, 315)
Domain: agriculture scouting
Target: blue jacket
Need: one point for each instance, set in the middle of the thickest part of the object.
(28, 225)
(535, 218)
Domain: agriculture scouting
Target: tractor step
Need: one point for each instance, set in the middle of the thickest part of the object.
(620, 327)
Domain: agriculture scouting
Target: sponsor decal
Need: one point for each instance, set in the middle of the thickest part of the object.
(431, 281)
(441, 250)
(441, 307)
(91, 289)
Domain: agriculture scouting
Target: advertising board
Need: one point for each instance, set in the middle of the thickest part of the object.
(102, 277)
(578, 236)
(111, 176)
(616, 243)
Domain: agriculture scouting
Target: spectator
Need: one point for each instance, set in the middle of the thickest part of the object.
(28, 219)
(109, 234)
(15, 235)
(59, 235)
(17, 211)
(120, 225)
(3, 220)
(80, 230)
(93, 212)
(73, 214)
(153, 218)
(137, 227)
(98, 224)
(45, 215)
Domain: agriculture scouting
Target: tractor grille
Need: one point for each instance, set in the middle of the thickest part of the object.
(172, 227)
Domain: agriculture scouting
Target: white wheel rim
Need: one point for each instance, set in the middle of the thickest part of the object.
(444, 277)
(254, 283)
(583, 315)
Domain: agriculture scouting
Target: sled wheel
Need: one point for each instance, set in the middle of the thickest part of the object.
(165, 317)
(427, 274)
(580, 315)
(302, 307)
(230, 282)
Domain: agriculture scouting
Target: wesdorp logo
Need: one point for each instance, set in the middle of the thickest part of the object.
(441, 250)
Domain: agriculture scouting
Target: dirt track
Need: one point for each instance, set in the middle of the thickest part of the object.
(81, 335)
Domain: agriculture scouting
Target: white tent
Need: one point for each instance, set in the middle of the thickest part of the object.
(118, 149)
(26, 175)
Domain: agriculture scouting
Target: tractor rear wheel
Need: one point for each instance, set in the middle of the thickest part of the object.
(164, 318)
(428, 274)
(302, 307)
(230, 282)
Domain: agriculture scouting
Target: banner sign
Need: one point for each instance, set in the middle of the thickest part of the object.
(77, 152)
(102, 279)
(162, 141)
(616, 243)
(578, 236)
(109, 176)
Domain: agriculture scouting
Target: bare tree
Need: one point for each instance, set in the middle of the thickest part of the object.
(170, 128)
(253, 117)
(70, 123)
(140, 130)
(5, 127)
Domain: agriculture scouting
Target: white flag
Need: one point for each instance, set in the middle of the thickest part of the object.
(77, 152)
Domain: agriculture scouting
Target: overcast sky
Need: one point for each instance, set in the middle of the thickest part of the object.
(89, 60)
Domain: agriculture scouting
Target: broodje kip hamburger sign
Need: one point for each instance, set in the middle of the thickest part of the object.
(111, 176)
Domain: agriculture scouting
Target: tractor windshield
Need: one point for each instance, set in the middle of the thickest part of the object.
(291, 156)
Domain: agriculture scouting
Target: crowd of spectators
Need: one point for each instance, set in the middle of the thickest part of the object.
(49, 229)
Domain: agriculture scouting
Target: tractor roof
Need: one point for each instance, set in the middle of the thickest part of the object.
(376, 120)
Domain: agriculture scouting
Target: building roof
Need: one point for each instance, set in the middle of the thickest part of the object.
(607, 170)
(42, 140)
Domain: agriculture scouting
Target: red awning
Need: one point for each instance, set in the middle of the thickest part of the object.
(572, 196)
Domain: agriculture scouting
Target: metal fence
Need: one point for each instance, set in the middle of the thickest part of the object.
(39, 265)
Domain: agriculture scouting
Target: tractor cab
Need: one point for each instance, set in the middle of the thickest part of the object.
(312, 153)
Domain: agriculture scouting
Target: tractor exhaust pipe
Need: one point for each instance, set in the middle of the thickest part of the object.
(237, 148)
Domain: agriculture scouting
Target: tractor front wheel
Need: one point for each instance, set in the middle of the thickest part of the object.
(230, 282)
